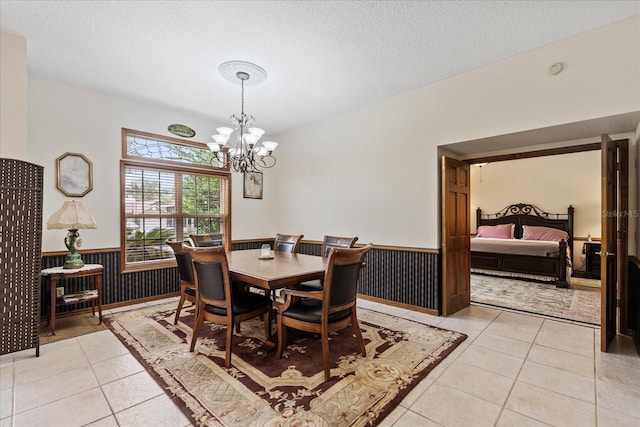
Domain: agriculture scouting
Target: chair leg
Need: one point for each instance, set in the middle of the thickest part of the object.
(227, 353)
(197, 327)
(267, 324)
(197, 310)
(180, 304)
(324, 336)
(282, 338)
(356, 330)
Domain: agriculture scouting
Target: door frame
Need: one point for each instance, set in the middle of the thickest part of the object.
(615, 240)
(552, 152)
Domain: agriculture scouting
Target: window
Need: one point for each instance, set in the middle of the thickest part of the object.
(169, 190)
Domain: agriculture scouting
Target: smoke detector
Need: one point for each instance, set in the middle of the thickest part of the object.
(555, 68)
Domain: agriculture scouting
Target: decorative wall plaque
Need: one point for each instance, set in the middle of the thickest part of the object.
(182, 130)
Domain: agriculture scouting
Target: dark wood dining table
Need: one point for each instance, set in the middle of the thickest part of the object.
(283, 270)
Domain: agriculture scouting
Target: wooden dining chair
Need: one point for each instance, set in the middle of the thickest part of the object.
(328, 242)
(218, 302)
(205, 240)
(337, 307)
(185, 271)
(287, 242)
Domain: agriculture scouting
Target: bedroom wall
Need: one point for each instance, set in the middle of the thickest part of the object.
(552, 183)
(374, 171)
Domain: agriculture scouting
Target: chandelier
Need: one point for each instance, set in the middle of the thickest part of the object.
(245, 153)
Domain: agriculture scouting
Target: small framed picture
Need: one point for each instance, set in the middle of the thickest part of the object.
(252, 185)
(75, 174)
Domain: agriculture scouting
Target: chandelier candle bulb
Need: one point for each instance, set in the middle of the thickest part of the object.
(220, 139)
(224, 131)
(270, 146)
(251, 139)
(256, 131)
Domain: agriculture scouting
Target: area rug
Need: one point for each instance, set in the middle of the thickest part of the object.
(538, 298)
(259, 390)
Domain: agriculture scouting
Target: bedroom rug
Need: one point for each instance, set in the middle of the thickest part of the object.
(259, 390)
(538, 298)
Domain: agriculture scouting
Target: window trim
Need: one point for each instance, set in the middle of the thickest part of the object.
(188, 143)
(170, 166)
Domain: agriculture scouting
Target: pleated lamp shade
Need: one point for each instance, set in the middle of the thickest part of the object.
(71, 216)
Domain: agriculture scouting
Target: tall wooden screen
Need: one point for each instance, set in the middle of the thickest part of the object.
(20, 254)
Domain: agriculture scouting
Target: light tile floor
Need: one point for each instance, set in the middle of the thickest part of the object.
(513, 370)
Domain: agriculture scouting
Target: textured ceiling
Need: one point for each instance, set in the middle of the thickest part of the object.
(322, 57)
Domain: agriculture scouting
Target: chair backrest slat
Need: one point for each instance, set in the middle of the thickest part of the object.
(206, 240)
(287, 242)
(330, 242)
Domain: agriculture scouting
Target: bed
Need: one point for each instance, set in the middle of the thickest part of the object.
(523, 241)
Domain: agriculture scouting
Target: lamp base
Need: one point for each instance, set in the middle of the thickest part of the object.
(72, 266)
(73, 258)
(72, 261)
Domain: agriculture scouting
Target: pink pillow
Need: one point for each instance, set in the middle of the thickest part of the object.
(530, 232)
(501, 231)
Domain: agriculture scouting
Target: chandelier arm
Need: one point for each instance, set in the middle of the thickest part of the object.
(263, 164)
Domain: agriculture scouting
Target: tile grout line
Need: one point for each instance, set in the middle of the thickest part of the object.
(504, 405)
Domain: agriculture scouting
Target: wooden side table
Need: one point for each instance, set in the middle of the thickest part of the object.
(52, 275)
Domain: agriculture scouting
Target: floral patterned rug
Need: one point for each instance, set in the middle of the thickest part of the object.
(259, 390)
(538, 298)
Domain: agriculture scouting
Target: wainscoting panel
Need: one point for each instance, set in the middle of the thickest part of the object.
(399, 275)
(116, 287)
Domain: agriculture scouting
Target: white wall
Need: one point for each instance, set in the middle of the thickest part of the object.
(13, 97)
(66, 118)
(373, 171)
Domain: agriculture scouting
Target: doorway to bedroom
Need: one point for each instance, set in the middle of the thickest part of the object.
(551, 182)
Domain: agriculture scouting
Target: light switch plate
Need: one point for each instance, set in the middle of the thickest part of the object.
(60, 291)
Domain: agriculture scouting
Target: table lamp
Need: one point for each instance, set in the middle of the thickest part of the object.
(72, 216)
